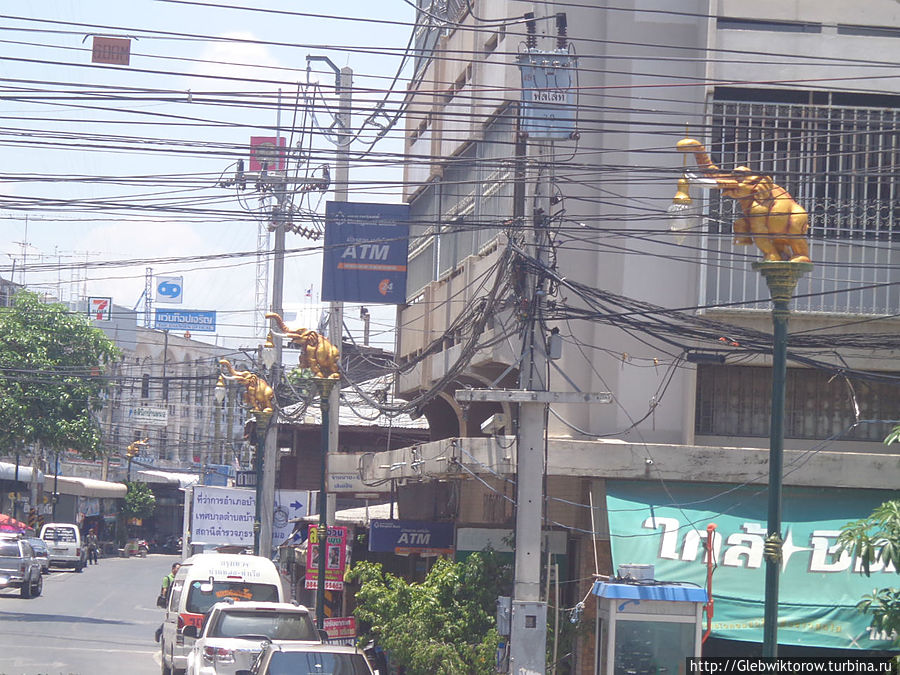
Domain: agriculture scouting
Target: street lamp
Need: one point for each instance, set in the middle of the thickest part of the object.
(260, 398)
(325, 385)
(768, 218)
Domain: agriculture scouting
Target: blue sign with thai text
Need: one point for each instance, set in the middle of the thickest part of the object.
(366, 247)
(410, 536)
(185, 319)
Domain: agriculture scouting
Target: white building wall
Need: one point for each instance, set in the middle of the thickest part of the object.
(636, 100)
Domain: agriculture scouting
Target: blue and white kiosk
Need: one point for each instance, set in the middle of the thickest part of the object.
(646, 626)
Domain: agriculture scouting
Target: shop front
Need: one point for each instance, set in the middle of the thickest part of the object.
(665, 525)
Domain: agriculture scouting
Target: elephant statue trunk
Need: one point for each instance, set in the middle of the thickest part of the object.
(772, 219)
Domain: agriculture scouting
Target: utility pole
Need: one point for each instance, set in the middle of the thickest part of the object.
(270, 455)
(343, 85)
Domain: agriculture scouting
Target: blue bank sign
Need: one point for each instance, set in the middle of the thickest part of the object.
(185, 319)
(410, 536)
(366, 247)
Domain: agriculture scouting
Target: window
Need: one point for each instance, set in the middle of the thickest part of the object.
(145, 386)
(839, 158)
(737, 401)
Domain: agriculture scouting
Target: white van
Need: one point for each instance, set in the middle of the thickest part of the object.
(202, 581)
(64, 545)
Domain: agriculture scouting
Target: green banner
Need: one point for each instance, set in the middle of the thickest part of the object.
(819, 588)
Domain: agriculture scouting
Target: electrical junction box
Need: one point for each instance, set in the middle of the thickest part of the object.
(528, 640)
(504, 614)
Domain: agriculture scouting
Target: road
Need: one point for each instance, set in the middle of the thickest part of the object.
(100, 621)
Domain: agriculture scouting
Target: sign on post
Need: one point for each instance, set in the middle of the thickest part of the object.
(185, 319)
(100, 309)
(548, 97)
(116, 51)
(335, 561)
(169, 289)
(267, 153)
(158, 417)
(366, 249)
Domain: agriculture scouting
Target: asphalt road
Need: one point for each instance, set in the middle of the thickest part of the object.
(100, 621)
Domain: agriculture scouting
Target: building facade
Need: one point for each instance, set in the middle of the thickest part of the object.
(676, 325)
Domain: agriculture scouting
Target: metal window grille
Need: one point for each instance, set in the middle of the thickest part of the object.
(737, 401)
(841, 164)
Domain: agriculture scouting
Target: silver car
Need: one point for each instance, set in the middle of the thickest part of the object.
(234, 633)
(295, 658)
(41, 552)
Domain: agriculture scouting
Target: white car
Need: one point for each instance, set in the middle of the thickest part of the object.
(234, 633)
(297, 658)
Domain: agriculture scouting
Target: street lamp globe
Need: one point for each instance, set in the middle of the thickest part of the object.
(219, 392)
(268, 352)
(684, 214)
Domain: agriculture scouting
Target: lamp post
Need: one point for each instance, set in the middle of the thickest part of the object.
(325, 387)
(260, 397)
(781, 278)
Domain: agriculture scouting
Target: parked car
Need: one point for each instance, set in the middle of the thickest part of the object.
(19, 567)
(64, 543)
(298, 658)
(41, 551)
(234, 633)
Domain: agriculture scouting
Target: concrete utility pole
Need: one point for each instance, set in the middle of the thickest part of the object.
(343, 85)
(270, 454)
(528, 623)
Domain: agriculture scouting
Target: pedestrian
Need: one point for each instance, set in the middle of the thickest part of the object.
(93, 547)
(164, 592)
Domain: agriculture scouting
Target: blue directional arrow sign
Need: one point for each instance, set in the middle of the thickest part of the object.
(169, 289)
(296, 505)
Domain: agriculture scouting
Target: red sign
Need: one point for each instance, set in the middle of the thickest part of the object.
(116, 51)
(335, 561)
(100, 309)
(267, 152)
(340, 627)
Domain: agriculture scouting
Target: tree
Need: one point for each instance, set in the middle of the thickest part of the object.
(444, 625)
(139, 501)
(877, 538)
(51, 363)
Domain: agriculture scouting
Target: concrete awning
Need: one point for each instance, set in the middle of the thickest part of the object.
(85, 487)
(8, 472)
(182, 480)
(359, 516)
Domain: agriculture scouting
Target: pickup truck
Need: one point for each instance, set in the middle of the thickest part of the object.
(19, 566)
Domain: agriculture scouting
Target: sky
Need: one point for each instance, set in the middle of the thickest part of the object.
(82, 161)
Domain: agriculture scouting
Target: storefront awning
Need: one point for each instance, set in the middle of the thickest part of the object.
(8, 472)
(85, 487)
(665, 525)
(359, 516)
(182, 480)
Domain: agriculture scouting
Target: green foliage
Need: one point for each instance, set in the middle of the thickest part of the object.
(877, 539)
(442, 626)
(139, 501)
(51, 372)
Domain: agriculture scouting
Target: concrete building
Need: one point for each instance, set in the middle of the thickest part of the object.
(164, 391)
(676, 325)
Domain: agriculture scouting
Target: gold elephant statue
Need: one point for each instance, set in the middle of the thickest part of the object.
(772, 219)
(316, 352)
(259, 394)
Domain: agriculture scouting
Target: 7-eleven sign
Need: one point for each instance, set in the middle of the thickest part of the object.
(100, 309)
